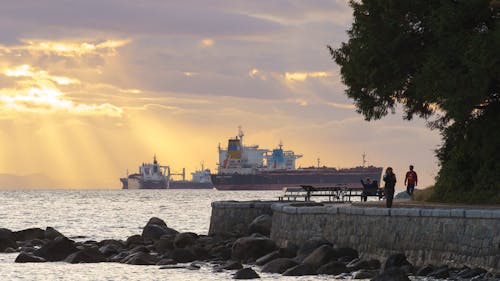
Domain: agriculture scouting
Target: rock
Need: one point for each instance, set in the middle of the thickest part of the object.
(470, 273)
(261, 224)
(222, 252)
(267, 258)
(51, 233)
(199, 252)
(89, 255)
(155, 228)
(396, 260)
(229, 265)
(440, 273)
(391, 274)
(289, 251)
(29, 234)
(157, 221)
(300, 270)
(119, 257)
(279, 265)
(364, 274)
(183, 255)
(357, 264)
(309, 246)
(252, 247)
(140, 258)
(134, 240)
(424, 271)
(7, 239)
(332, 268)
(139, 248)
(185, 239)
(28, 257)
(322, 255)
(346, 253)
(246, 273)
(111, 248)
(57, 249)
(165, 244)
(166, 262)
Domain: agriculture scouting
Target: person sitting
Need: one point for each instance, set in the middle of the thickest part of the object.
(369, 188)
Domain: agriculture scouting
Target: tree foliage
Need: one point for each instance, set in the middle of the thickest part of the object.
(440, 60)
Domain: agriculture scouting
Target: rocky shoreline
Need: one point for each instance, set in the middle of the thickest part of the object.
(165, 247)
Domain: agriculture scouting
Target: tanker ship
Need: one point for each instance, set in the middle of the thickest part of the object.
(252, 168)
(155, 176)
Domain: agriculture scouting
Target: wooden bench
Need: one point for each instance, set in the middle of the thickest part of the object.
(358, 192)
(293, 193)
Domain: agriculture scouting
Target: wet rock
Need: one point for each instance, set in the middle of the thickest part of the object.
(199, 252)
(300, 270)
(111, 248)
(396, 260)
(182, 255)
(424, 271)
(309, 246)
(289, 251)
(246, 273)
(364, 274)
(10, 250)
(139, 248)
(322, 255)
(29, 234)
(89, 255)
(346, 253)
(391, 274)
(261, 224)
(470, 273)
(51, 233)
(7, 239)
(229, 265)
(57, 249)
(166, 243)
(155, 228)
(279, 265)
(332, 268)
(252, 247)
(221, 252)
(358, 264)
(157, 221)
(166, 262)
(441, 273)
(185, 239)
(134, 240)
(267, 258)
(28, 257)
(119, 257)
(140, 258)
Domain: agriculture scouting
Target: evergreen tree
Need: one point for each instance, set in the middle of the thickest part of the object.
(439, 59)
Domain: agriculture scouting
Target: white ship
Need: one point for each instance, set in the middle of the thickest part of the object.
(150, 176)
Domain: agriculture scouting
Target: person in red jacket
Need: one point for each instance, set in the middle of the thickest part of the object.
(411, 180)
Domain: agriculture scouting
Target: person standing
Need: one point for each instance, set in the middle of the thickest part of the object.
(390, 183)
(411, 181)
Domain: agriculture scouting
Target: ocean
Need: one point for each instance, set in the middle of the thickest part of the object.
(114, 214)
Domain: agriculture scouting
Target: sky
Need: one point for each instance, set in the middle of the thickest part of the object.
(91, 89)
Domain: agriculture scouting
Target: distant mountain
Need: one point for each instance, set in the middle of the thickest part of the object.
(35, 181)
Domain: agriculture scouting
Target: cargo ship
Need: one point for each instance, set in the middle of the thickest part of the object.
(252, 168)
(155, 176)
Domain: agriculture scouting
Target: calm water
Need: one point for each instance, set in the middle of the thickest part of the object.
(117, 214)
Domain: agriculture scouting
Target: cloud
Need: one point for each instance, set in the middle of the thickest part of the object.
(303, 76)
(207, 42)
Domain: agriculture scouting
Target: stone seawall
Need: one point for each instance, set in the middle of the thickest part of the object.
(455, 237)
(233, 217)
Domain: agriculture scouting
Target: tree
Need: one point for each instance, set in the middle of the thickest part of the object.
(440, 60)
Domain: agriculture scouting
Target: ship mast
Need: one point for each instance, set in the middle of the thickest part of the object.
(364, 159)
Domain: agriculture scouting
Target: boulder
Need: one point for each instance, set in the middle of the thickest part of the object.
(322, 255)
(396, 260)
(221, 252)
(246, 273)
(261, 224)
(7, 239)
(346, 253)
(183, 255)
(140, 258)
(252, 247)
(279, 265)
(267, 258)
(157, 221)
(51, 233)
(139, 248)
(29, 234)
(309, 246)
(111, 247)
(88, 255)
(424, 271)
(229, 265)
(289, 251)
(468, 273)
(57, 249)
(185, 239)
(134, 240)
(166, 262)
(300, 270)
(391, 274)
(28, 257)
(358, 264)
(332, 268)
(155, 228)
(440, 273)
(166, 243)
(199, 252)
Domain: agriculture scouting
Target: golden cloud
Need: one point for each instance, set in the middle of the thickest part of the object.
(302, 76)
(342, 105)
(207, 42)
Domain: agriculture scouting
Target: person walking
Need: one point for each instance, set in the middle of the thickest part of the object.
(390, 183)
(411, 181)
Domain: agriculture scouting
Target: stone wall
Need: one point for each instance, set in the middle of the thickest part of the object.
(233, 217)
(455, 237)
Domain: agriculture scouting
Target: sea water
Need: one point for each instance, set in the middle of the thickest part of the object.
(114, 214)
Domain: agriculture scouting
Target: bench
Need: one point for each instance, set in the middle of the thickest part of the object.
(293, 193)
(360, 192)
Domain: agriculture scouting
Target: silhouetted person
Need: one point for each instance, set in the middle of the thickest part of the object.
(369, 188)
(411, 181)
(390, 183)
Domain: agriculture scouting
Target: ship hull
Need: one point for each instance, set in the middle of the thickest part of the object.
(277, 181)
(133, 183)
(190, 185)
